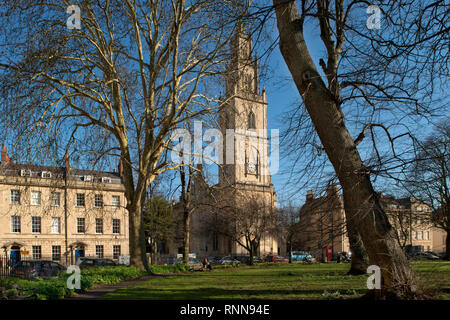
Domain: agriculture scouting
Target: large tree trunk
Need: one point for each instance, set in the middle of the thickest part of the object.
(289, 245)
(361, 203)
(138, 257)
(187, 234)
(360, 260)
(252, 252)
(155, 257)
(447, 246)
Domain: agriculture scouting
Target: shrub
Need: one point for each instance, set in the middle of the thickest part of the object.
(164, 269)
(56, 288)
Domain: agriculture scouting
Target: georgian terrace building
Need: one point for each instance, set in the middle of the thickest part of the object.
(60, 213)
(322, 223)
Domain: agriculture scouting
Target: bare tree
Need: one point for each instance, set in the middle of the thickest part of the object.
(355, 68)
(246, 220)
(383, 81)
(187, 207)
(288, 227)
(114, 88)
(429, 179)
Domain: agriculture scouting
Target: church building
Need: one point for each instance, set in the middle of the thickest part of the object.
(242, 206)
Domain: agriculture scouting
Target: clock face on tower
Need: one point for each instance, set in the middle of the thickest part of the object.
(251, 168)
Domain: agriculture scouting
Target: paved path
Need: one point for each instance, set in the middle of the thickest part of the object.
(101, 290)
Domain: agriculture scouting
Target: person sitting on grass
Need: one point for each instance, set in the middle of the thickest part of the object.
(206, 263)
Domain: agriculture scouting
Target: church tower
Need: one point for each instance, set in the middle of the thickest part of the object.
(244, 179)
(243, 119)
(243, 122)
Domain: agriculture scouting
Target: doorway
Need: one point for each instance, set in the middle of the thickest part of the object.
(14, 255)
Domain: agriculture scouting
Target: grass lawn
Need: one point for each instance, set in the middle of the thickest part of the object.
(275, 281)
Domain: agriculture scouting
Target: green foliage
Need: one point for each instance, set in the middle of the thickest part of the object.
(56, 288)
(332, 295)
(163, 269)
(159, 219)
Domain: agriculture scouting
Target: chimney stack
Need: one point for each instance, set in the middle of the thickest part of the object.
(309, 195)
(332, 190)
(5, 155)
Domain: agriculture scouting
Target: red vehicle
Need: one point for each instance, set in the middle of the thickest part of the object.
(276, 259)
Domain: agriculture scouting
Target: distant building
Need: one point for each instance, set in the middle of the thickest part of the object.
(322, 223)
(60, 213)
(411, 220)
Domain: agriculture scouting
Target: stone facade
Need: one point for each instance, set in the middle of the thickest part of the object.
(322, 223)
(61, 213)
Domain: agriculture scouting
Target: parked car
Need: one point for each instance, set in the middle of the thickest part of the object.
(258, 260)
(424, 255)
(37, 268)
(214, 260)
(246, 259)
(194, 263)
(276, 259)
(168, 261)
(300, 255)
(228, 260)
(441, 255)
(87, 262)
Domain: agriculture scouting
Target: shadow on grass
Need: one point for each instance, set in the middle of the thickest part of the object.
(229, 294)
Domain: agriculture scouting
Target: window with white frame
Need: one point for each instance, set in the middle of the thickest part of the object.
(55, 199)
(116, 252)
(56, 253)
(15, 197)
(99, 251)
(116, 201)
(36, 198)
(81, 225)
(415, 235)
(15, 224)
(98, 225)
(56, 225)
(98, 201)
(421, 235)
(80, 200)
(36, 252)
(116, 226)
(36, 224)
(427, 235)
